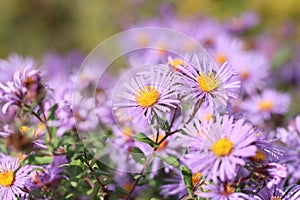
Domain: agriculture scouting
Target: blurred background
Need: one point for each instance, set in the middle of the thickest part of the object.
(33, 27)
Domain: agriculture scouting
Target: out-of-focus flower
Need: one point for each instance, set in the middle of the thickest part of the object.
(25, 138)
(14, 63)
(290, 138)
(203, 80)
(226, 48)
(47, 176)
(261, 106)
(13, 178)
(145, 96)
(223, 145)
(247, 65)
(176, 186)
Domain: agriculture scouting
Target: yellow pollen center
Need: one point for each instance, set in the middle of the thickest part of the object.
(24, 129)
(6, 178)
(127, 131)
(221, 58)
(259, 156)
(244, 75)
(222, 147)
(195, 178)
(163, 144)
(265, 105)
(175, 62)
(208, 83)
(147, 97)
(143, 39)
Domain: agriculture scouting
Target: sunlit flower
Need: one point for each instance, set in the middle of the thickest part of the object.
(25, 88)
(13, 178)
(145, 96)
(223, 145)
(203, 80)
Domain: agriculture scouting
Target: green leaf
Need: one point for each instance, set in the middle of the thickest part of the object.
(138, 155)
(187, 177)
(51, 115)
(143, 138)
(165, 126)
(171, 160)
(39, 159)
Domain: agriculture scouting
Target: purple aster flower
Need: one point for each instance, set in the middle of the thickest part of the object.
(14, 63)
(203, 80)
(13, 178)
(290, 138)
(25, 88)
(247, 65)
(261, 106)
(25, 138)
(224, 145)
(48, 175)
(226, 48)
(291, 192)
(221, 192)
(176, 186)
(146, 95)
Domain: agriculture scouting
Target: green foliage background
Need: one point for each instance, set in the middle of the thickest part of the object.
(33, 27)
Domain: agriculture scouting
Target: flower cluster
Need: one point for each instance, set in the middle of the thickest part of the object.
(203, 125)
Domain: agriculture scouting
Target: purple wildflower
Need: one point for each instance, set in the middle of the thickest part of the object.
(204, 80)
(13, 178)
(147, 95)
(223, 146)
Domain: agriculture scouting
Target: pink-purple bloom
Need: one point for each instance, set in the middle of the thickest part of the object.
(13, 178)
(203, 80)
(221, 147)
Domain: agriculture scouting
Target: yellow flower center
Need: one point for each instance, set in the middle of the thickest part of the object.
(195, 178)
(221, 58)
(265, 105)
(163, 144)
(6, 178)
(147, 97)
(143, 39)
(222, 147)
(208, 83)
(127, 131)
(24, 130)
(259, 156)
(244, 75)
(176, 62)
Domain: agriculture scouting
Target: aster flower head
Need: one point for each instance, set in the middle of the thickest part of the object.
(148, 93)
(223, 145)
(25, 138)
(261, 106)
(247, 65)
(14, 63)
(202, 79)
(48, 175)
(13, 178)
(25, 88)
